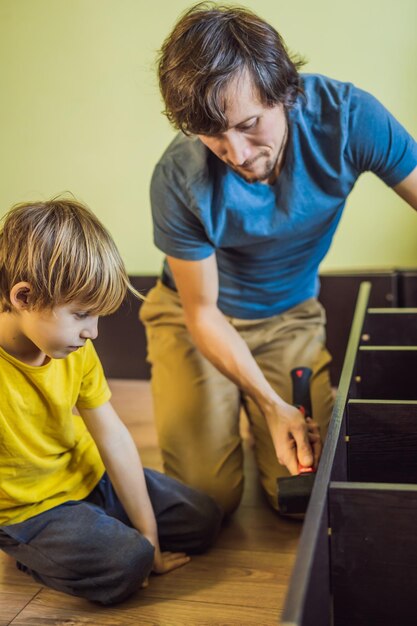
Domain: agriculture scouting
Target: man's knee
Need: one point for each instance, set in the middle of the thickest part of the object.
(229, 499)
(224, 486)
(226, 495)
(270, 487)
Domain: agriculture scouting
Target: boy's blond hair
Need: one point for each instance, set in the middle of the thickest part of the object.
(65, 253)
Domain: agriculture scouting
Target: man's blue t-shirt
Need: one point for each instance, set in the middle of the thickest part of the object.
(270, 239)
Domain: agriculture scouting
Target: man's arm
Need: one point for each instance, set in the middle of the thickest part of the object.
(123, 464)
(407, 189)
(220, 343)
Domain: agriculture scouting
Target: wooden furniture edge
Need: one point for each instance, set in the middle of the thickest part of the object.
(296, 596)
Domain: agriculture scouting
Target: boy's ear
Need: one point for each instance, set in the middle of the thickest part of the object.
(20, 296)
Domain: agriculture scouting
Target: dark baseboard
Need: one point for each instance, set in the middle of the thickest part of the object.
(121, 343)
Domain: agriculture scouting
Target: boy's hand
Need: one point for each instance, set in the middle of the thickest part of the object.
(166, 561)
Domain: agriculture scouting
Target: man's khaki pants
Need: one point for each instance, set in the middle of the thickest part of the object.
(197, 408)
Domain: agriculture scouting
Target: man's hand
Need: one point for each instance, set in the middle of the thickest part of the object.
(164, 562)
(314, 438)
(296, 440)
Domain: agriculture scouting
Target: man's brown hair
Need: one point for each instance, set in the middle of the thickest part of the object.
(209, 46)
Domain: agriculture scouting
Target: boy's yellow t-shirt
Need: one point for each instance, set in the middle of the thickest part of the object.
(47, 455)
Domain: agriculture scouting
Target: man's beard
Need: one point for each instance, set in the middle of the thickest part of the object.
(268, 170)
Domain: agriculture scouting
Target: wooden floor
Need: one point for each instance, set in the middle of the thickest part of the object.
(241, 581)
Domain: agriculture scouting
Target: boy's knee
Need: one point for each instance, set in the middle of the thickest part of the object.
(208, 516)
(108, 575)
(128, 570)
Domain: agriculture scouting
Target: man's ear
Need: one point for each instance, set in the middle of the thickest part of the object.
(20, 296)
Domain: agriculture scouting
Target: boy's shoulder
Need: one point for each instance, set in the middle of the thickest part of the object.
(60, 383)
(84, 357)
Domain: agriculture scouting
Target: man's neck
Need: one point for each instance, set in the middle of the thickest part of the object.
(280, 158)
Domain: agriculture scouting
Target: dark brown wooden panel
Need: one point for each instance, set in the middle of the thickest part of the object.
(382, 443)
(373, 554)
(338, 293)
(121, 343)
(390, 327)
(407, 288)
(387, 373)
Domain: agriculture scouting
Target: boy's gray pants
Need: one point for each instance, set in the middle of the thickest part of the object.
(88, 548)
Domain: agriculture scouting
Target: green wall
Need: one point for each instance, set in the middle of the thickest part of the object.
(80, 109)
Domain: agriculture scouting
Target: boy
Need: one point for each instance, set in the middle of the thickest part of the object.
(77, 510)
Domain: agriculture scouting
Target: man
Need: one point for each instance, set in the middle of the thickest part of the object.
(245, 203)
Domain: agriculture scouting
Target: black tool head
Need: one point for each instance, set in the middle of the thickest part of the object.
(294, 493)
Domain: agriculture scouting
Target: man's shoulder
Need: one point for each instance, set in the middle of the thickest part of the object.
(186, 158)
(328, 100)
(324, 92)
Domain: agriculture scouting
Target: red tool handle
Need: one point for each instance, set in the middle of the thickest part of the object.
(301, 399)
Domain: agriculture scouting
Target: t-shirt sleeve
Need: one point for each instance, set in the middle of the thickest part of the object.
(177, 230)
(94, 389)
(377, 142)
